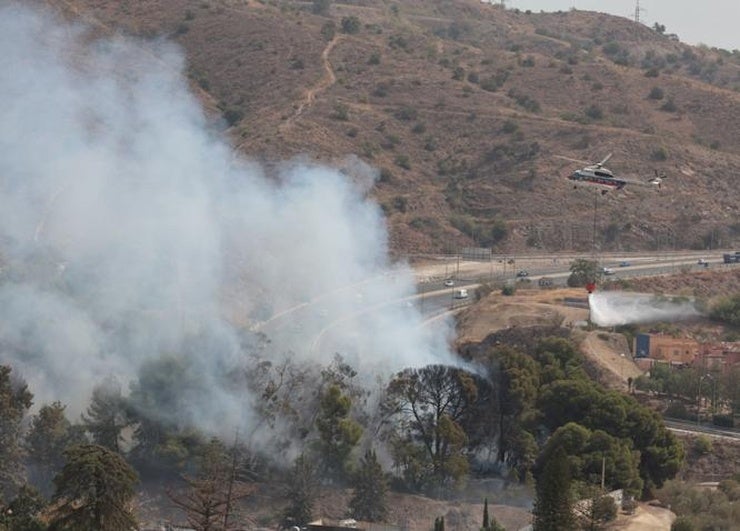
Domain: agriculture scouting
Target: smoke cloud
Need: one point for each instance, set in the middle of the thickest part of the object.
(620, 308)
(130, 231)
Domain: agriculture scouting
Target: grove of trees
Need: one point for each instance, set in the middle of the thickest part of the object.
(512, 412)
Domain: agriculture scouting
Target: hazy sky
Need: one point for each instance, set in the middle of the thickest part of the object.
(712, 22)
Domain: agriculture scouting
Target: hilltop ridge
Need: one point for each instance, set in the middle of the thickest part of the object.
(467, 110)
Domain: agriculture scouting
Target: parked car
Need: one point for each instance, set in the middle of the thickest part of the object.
(607, 271)
(449, 282)
(624, 263)
(522, 273)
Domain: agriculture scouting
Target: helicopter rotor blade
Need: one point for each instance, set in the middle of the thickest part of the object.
(570, 159)
(605, 160)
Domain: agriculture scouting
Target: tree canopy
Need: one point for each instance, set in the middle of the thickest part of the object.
(15, 400)
(94, 491)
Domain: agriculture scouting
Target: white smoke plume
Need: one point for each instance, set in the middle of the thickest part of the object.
(621, 308)
(129, 230)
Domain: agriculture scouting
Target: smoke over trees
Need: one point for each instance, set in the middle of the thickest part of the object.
(164, 292)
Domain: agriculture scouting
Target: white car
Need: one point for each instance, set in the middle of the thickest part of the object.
(449, 282)
(702, 261)
(607, 271)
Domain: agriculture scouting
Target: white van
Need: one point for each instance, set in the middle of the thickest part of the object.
(461, 294)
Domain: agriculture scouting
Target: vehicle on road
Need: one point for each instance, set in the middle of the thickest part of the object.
(461, 294)
(624, 263)
(522, 273)
(607, 271)
(545, 282)
(702, 262)
(449, 282)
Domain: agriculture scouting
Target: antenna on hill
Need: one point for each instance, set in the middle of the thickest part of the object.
(638, 10)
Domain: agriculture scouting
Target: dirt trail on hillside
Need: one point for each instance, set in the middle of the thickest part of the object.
(324, 83)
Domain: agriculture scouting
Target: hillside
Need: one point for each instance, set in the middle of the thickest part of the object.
(467, 110)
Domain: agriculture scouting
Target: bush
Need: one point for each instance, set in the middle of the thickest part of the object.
(403, 162)
(406, 113)
(419, 128)
(320, 7)
(726, 421)
(233, 116)
(677, 410)
(386, 176)
(594, 112)
(727, 310)
(525, 101)
(527, 61)
(669, 106)
(381, 90)
(703, 445)
(509, 127)
(682, 523)
(341, 112)
(400, 203)
(656, 93)
(351, 25)
(328, 30)
(508, 290)
(398, 41)
(659, 154)
(604, 509)
(374, 58)
(652, 72)
(493, 83)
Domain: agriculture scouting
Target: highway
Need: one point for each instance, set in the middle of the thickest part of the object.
(683, 426)
(334, 320)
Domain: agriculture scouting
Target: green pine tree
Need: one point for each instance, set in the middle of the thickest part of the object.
(94, 491)
(553, 506)
(371, 488)
(301, 491)
(15, 399)
(106, 416)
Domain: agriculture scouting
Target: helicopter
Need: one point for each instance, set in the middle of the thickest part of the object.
(602, 177)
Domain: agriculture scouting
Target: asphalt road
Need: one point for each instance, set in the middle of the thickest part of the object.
(328, 321)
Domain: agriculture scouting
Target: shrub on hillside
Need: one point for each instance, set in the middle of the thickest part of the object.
(351, 25)
(656, 93)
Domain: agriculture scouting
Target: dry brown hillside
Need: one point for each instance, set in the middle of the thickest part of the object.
(465, 108)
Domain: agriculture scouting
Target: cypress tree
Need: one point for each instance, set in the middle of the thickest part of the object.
(371, 488)
(553, 505)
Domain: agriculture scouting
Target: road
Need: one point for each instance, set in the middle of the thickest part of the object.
(334, 320)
